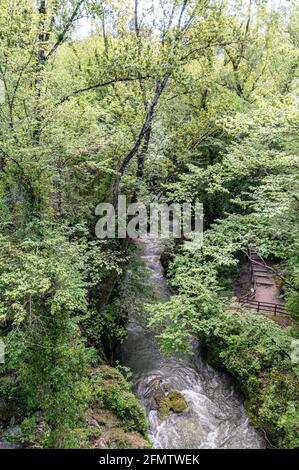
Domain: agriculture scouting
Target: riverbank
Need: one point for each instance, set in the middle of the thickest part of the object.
(113, 419)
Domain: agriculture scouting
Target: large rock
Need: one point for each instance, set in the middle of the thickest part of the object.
(174, 402)
(8, 445)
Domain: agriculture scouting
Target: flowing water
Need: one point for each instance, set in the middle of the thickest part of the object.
(215, 417)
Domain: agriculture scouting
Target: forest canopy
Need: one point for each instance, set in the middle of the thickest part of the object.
(171, 100)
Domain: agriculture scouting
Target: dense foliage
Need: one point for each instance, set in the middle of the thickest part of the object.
(175, 99)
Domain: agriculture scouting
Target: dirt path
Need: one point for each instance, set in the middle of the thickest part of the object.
(268, 291)
(266, 286)
(257, 283)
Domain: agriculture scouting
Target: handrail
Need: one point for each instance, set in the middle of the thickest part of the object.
(266, 306)
(267, 303)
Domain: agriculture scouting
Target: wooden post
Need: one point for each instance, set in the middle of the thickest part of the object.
(258, 306)
(275, 310)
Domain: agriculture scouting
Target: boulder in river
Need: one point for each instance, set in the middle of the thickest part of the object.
(174, 401)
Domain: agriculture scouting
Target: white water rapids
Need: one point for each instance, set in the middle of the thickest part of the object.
(215, 417)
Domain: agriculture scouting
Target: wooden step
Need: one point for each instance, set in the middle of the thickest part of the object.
(265, 283)
(256, 259)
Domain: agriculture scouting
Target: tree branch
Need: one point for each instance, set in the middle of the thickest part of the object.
(146, 125)
(99, 85)
(62, 35)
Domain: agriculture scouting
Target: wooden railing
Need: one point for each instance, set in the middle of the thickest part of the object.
(267, 307)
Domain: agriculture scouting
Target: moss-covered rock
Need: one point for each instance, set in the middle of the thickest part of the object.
(113, 392)
(113, 419)
(173, 402)
(116, 413)
(109, 432)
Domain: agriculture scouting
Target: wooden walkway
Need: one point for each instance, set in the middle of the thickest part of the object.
(260, 277)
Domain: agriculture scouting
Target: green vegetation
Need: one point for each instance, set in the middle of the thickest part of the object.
(190, 100)
(111, 413)
(261, 209)
(117, 397)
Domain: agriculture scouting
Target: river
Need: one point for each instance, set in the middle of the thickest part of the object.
(215, 417)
